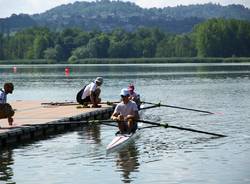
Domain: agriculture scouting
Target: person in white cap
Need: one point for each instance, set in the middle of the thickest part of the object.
(90, 93)
(126, 114)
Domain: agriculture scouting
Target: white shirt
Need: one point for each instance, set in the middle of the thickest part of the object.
(126, 109)
(3, 97)
(90, 87)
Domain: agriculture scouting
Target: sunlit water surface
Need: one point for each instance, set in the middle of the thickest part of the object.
(159, 155)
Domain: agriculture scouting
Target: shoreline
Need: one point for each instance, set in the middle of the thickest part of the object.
(129, 61)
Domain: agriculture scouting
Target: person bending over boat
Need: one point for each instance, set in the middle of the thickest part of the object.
(126, 113)
(6, 110)
(134, 96)
(90, 93)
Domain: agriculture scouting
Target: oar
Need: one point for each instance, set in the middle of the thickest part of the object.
(150, 107)
(60, 103)
(110, 103)
(73, 123)
(165, 125)
(184, 108)
(103, 122)
(72, 103)
(109, 124)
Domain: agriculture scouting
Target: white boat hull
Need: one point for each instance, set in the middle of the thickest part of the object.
(121, 140)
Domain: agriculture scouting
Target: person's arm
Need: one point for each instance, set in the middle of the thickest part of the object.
(135, 116)
(117, 115)
(92, 98)
(114, 116)
(92, 94)
(2, 97)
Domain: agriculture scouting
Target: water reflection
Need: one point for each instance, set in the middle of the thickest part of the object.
(91, 134)
(127, 162)
(6, 160)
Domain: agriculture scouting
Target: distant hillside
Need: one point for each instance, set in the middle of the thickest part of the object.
(208, 11)
(16, 23)
(107, 15)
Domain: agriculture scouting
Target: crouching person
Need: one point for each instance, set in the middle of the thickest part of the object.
(6, 110)
(90, 93)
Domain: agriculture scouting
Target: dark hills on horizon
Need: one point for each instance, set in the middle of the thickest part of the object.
(105, 15)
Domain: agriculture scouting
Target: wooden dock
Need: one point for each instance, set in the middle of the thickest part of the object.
(34, 119)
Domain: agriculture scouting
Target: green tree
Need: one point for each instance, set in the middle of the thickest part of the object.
(50, 54)
(98, 46)
(184, 46)
(40, 44)
(81, 52)
(103, 45)
(67, 41)
(149, 47)
(165, 48)
(223, 38)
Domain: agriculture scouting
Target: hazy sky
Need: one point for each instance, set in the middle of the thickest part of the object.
(8, 7)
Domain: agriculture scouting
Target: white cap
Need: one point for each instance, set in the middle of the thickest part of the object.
(124, 92)
(99, 79)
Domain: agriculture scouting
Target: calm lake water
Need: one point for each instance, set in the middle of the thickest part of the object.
(159, 155)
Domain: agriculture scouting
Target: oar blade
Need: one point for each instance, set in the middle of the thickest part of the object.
(197, 131)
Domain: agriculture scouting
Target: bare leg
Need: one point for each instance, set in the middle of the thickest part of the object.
(6, 111)
(97, 100)
(122, 127)
(130, 125)
(97, 94)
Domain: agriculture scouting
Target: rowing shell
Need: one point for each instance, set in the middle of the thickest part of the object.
(121, 140)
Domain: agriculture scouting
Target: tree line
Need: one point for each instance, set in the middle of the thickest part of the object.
(213, 38)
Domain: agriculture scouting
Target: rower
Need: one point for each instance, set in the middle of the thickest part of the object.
(126, 114)
(134, 96)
